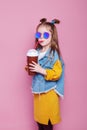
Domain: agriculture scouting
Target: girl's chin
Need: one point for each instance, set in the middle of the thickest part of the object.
(43, 45)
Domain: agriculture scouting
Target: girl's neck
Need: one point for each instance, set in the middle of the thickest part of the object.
(45, 48)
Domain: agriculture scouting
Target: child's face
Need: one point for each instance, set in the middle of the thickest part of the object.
(44, 38)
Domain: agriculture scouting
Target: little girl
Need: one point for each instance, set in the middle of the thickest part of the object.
(48, 83)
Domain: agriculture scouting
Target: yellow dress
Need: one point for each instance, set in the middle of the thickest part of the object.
(46, 105)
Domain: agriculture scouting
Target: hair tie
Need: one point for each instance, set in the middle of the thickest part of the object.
(53, 22)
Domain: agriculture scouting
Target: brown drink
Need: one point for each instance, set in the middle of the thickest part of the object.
(32, 55)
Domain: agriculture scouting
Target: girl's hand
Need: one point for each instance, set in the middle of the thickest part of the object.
(34, 67)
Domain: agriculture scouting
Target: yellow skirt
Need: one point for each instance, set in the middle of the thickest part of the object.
(46, 107)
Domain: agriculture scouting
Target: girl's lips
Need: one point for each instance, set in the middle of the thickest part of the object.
(40, 41)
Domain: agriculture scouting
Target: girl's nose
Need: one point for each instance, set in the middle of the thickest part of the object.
(41, 36)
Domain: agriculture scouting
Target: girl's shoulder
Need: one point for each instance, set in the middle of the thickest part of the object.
(57, 57)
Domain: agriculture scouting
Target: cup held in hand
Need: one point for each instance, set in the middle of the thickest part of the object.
(32, 55)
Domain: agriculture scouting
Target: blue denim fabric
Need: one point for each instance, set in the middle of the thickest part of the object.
(39, 84)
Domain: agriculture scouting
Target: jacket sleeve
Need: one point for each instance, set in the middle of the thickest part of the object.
(54, 73)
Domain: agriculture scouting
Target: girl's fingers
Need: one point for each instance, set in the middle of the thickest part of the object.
(31, 65)
(34, 62)
(32, 69)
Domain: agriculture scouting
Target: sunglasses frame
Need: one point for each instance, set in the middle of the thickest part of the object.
(45, 35)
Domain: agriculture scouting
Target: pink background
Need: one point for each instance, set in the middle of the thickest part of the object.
(18, 20)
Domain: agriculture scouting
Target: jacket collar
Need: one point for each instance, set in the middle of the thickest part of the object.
(48, 54)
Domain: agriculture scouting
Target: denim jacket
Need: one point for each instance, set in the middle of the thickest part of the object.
(40, 84)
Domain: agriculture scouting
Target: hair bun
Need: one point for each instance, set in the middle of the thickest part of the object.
(43, 20)
(54, 21)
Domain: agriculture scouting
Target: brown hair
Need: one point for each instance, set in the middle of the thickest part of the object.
(52, 28)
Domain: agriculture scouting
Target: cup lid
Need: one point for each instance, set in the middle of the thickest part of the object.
(32, 52)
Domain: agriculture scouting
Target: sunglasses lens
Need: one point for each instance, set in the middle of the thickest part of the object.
(38, 35)
(46, 35)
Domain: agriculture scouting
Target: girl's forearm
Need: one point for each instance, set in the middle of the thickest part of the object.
(43, 72)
